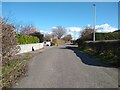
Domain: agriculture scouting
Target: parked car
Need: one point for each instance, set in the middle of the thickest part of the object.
(47, 43)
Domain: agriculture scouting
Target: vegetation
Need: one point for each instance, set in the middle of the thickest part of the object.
(107, 50)
(27, 30)
(14, 68)
(67, 38)
(59, 31)
(25, 39)
(101, 36)
(9, 42)
(87, 35)
(88, 30)
(53, 43)
(38, 35)
(106, 46)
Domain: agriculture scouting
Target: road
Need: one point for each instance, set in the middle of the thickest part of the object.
(67, 67)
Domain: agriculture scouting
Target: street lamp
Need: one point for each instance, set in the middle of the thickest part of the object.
(74, 35)
(94, 21)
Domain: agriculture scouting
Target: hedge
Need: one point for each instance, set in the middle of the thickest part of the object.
(25, 39)
(104, 48)
(101, 36)
(39, 35)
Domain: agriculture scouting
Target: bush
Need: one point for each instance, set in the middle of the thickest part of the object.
(25, 39)
(53, 43)
(104, 46)
(9, 42)
(39, 35)
(100, 36)
(109, 49)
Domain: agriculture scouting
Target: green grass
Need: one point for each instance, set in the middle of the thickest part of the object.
(14, 68)
(107, 59)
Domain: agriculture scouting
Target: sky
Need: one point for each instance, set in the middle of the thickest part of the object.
(74, 16)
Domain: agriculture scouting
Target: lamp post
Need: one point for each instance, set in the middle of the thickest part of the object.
(74, 35)
(94, 21)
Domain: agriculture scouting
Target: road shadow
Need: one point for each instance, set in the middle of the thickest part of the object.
(86, 59)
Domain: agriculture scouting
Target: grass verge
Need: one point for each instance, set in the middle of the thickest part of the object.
(107, 59)
(14, 68)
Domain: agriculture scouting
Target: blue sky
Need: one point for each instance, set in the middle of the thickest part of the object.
(72, 15)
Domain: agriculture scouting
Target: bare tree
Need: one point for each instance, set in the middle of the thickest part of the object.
(59, 31)
(18, 28)
(28, 29)
(88, 30)
(67, 37)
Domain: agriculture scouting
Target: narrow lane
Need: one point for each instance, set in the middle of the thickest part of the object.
(66, 67)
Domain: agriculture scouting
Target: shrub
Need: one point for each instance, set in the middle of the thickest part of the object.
(9, 42)
(25, 39)
(109, 49)
(39, 35)
(53, 43)
(100, 36)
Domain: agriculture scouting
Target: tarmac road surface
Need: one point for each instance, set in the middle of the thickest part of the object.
(67, 67)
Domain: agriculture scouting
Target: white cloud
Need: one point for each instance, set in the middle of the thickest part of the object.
(42, 31)
(72, 29)
(45, 32)
(105, 28)
(54, 27)
(89, 25)
(49, 32)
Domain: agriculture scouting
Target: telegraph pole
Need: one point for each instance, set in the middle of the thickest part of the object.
(94, 21)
